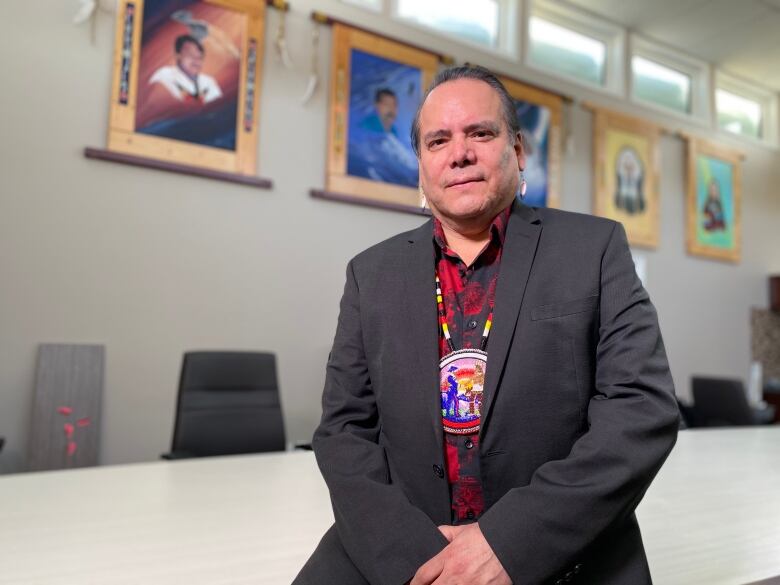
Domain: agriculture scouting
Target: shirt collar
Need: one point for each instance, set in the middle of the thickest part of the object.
(497, 229)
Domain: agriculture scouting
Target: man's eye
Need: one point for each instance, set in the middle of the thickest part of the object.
(437, 142)
(481, 134)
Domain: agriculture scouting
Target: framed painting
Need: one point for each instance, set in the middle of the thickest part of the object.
(625, 172)
(376, 86)
(540, 114)
(713, 199)
(186, 81)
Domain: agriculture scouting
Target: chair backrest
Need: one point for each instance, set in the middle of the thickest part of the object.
(721, 402)
(687, 416)
(228, 404)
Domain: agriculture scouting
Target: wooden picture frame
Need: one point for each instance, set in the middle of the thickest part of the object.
(713, 201)
(626, 175)
(186, 82)
(540, 114)
(376, 86)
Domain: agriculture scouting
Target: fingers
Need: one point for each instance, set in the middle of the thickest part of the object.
(450, 532)
(428, 572)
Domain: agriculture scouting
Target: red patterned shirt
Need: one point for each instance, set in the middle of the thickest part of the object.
(468, 293)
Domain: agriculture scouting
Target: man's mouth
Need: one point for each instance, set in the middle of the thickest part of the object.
(464, 181)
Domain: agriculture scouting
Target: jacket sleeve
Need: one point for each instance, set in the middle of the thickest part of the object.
(386, 537)
(540, 529)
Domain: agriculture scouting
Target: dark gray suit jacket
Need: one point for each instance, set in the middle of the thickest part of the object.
(578, 414)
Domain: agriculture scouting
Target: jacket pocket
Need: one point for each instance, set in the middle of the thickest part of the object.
(582, 305)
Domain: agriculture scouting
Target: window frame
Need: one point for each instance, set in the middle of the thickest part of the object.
(766, 99)
(613, 36)
(507, 41)
(513, 45)
(701, 90)
(381, 9)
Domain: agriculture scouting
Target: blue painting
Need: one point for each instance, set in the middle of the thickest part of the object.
(383, 100)
(535, 124)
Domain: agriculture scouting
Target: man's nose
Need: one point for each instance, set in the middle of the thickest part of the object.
(462, 155)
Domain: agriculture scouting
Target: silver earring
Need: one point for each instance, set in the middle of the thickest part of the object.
(523, 185)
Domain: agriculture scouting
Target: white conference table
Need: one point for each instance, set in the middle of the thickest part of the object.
(712, 517)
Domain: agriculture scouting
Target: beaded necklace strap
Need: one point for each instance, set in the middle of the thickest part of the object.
(443, 320)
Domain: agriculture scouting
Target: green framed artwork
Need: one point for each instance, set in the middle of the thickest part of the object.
(714, 195)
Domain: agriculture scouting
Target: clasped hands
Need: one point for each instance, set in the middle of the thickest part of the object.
(466, 560)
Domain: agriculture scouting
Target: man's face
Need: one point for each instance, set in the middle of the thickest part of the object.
(387, 110)
(190, 59)
(468, 161)
(714, 190)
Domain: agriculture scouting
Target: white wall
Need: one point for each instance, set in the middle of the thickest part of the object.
(152, 264)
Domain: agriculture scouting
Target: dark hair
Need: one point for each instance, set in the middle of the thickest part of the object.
(384, 91)
(469, 72)
(182, 39)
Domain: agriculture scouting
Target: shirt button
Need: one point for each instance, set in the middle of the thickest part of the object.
(472, 324)
(470, 514)
(469, 444)
(438, 470)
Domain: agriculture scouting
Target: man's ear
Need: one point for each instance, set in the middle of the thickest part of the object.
(423, 198)
(520, 151)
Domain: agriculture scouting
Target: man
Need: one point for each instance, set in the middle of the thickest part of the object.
(185, 81)
(577, 411)
(382, 119)
(375, 151)
(629, 182)
(714, 218)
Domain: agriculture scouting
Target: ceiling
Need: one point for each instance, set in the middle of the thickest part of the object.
(741, 37)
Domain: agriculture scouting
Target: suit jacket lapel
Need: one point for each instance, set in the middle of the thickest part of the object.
(420, 304)
(522, 237)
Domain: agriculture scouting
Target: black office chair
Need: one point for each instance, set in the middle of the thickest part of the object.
(228, 404)
(721, 402)
(687, 416)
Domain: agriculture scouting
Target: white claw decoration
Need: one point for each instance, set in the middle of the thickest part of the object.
(314, 78)
(282, 53)
(280, 42)
(86, 9)
(311, 87)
